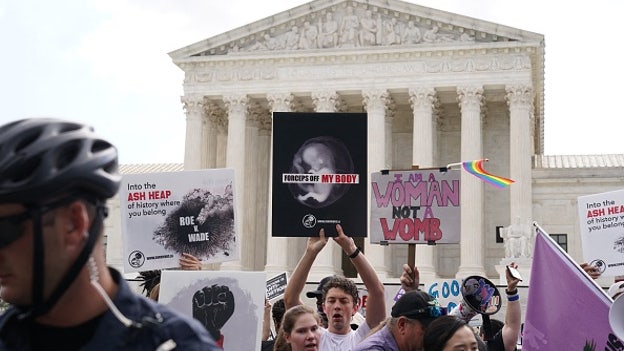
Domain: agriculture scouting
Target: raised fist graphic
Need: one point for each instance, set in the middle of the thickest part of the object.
(213, 306)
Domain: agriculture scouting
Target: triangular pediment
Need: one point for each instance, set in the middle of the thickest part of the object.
(348, 24)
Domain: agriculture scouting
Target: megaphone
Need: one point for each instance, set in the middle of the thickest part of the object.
(479, 296)
(616, 317)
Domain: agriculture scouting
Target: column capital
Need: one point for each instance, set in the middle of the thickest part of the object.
(375, 98)
(281, 102)
(325, 101)
(216, 115)
(470, 97)
(520, 95)
(192, 105)
(257, 114)
(237, 104)
(423, 97)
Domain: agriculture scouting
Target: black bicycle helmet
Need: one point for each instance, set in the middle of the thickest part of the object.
(44, 161)
(41, 158)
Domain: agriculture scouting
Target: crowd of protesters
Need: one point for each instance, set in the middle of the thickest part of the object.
(55, 178)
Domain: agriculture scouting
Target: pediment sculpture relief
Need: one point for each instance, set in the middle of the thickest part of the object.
(348, 27)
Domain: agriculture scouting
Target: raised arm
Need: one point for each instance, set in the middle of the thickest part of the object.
(513, 315)
(299, 276)
(266, 321)
(376, 303)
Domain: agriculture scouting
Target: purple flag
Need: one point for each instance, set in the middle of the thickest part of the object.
(566, 309)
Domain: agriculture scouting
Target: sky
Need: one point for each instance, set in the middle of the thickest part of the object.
(106, 63)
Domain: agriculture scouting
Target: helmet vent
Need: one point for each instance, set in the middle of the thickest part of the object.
(99, 145)
(25, 170)
(67, 154)
(27, 140)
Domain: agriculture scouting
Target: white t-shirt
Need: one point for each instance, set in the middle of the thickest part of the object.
(339, 342)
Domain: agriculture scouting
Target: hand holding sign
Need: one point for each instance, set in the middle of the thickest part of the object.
(410, 279)
(316, 244)
(346, 243)
(213, 306)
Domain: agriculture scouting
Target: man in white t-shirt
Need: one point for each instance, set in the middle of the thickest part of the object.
(340, 295)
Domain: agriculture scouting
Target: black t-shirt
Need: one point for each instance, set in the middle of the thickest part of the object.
(496, 344)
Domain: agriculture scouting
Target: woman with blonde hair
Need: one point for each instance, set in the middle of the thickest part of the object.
(299, 330)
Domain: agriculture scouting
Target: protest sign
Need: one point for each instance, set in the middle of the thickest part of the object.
(276, 286)
(566, 309)
(164, 215)
(601, 218)
(320, 173)
(229, 304)
(415, 207)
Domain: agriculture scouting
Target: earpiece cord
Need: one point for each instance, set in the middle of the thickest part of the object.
(94, 278)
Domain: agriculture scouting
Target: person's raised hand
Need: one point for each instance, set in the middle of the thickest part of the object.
(512, 283)
(593, 271)
(410, 279)
(316, 244)
(346, 243)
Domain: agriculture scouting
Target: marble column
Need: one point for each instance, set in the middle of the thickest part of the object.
(193, 106)
(472, 239)
(216, 135)
(210, 131)
(376, 104)
(221, 122)
(237, 112)
(277, 252)
(329, 261)
(263, 153)
(255, 249)
(423, 100)
(520, 101)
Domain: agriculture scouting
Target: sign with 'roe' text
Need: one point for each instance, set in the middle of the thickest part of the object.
(415, 207)
(164, 215)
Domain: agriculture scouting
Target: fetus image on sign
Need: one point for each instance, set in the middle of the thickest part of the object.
(326, 157)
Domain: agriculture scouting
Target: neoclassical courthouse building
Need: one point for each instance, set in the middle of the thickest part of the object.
(437, 87)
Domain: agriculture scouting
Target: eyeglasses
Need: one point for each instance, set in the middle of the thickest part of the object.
(11, 228)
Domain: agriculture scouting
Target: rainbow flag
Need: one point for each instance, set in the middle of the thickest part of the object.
(476, 168)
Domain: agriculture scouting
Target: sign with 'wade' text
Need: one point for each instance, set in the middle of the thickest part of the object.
(415, 207)
(164, 215)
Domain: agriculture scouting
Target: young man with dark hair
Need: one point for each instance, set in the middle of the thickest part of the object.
(340, 296)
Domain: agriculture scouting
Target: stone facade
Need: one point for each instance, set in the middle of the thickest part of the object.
(438, 88)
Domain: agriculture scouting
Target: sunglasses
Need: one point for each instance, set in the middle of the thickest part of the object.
(11, 228)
